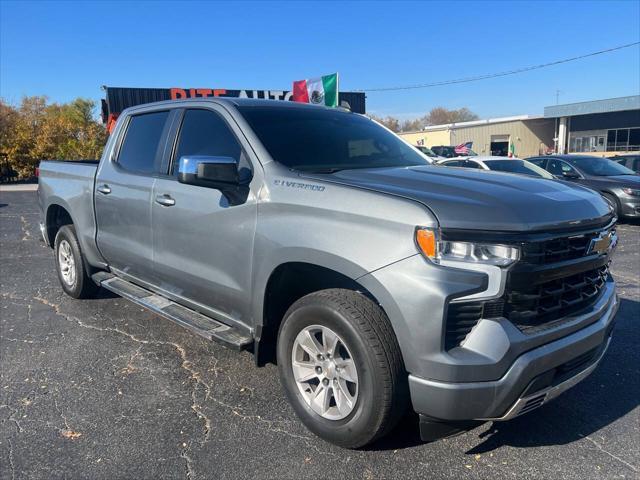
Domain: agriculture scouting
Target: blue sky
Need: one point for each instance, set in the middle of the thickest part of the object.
(65, 49)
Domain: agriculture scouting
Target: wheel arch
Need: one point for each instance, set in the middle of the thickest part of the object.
(288, 282)
(609, 193)
(57, 215)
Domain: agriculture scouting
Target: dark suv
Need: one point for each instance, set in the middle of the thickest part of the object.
(620, 185)
(448, 151)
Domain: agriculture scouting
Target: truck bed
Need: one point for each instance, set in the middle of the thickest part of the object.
(69, 185)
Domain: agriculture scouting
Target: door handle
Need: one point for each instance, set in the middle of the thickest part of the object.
(104, 189)
(165, 200)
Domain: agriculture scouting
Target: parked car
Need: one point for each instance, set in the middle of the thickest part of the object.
(630, 161)
(316, 238)
(428, 152)
(499, 164)
(619, 184)
(449, 151)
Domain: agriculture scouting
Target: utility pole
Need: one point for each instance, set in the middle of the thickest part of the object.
(557, 96)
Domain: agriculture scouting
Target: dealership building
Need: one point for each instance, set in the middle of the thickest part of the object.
(600, 127)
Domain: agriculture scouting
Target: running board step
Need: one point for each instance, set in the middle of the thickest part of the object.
(198, 323)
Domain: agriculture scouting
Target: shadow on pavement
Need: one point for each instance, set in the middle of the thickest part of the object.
(611, 392)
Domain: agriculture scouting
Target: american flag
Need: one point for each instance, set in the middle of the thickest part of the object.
(463, 148)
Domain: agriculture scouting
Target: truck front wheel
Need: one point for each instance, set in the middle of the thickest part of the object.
(72, 273)
(341, 367)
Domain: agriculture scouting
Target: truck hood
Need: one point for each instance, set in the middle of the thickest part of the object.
(484, 200)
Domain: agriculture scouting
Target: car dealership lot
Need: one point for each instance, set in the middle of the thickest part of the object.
(104, 389)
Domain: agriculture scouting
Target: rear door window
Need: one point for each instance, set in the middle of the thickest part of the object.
(141, 148)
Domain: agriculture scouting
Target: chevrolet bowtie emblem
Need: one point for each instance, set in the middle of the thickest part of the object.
(602, 243)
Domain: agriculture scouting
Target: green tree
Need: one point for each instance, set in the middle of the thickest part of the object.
(36, 130)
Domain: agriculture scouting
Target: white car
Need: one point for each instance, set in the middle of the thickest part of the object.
(500, 164)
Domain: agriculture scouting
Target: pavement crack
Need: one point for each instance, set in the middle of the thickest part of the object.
(64, 418)
(11, 417)
(12, 466)
(26, 234)
(188, 463)
(197, 380)
(602, 449)
(186, 365)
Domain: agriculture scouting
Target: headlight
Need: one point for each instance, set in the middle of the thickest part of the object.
(438, 250)
(631, 191)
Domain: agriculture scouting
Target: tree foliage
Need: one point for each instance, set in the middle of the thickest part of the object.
(441, 115)
(436, 116)
(391, 123)
(37, 130)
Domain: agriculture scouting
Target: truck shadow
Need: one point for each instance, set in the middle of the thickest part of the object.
(608, 394)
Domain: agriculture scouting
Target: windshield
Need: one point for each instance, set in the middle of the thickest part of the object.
(321, 140)
(518, 166)
(600, 167)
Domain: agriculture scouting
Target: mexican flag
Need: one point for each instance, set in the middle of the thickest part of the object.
(319, 91)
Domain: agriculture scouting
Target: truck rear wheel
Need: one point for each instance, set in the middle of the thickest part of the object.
(72, 273)
(341, 367)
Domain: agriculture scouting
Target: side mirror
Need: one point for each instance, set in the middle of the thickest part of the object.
(570, 174)
(213, 172)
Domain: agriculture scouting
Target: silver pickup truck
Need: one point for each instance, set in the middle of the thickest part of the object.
(322, 242)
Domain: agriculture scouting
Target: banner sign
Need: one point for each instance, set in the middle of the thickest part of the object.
(178, 93)
(119, 98)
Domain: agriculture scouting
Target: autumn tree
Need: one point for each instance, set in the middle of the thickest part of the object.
(436, 116)
(412, 125)
(36, 130)
(441, 115)
(391, 123)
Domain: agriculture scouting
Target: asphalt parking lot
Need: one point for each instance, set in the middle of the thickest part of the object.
(103, 389)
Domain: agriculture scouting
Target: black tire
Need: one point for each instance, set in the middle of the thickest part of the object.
(82, 285)
(382, 380)
(614, 202)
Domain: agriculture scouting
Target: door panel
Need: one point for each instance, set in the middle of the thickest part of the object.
(203, 245)
(123, 196)
(124, 222)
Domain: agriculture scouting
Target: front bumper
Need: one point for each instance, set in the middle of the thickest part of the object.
(533, 379)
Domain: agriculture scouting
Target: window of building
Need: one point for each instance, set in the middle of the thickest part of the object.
(623, 140)
(611, 141)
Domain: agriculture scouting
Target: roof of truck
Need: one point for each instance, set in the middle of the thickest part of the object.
(239, 102)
